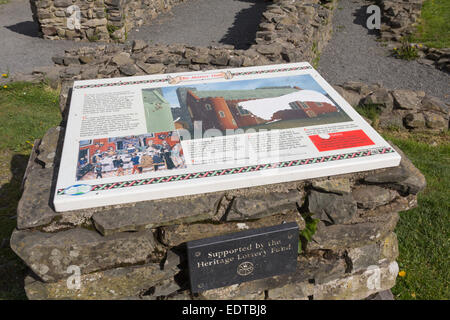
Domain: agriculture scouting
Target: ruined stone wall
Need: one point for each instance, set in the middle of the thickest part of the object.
(290, 31)
(401, 109)
(95, 20)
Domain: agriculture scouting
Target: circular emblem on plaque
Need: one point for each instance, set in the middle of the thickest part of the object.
(245, 268)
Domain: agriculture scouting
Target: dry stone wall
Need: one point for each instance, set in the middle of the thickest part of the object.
(95, 20)
(403, 109)
(136, 251)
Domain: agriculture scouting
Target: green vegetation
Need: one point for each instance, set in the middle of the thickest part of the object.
(424, 232)
(307, 234)
(434, 27)
(316, 55)
(3, 2)
(369, 111)
(27, 111)
(111, 28)
(407, 50)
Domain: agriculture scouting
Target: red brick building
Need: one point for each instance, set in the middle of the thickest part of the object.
(220, 109)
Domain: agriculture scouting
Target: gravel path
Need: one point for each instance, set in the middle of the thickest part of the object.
(353, 54)
(21, 49)
(206, 22)
(196, 22)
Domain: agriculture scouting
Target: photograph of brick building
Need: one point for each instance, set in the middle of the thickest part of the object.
(275, 103)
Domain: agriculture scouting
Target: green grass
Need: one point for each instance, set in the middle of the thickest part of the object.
(423, 232)
(434, 27)
(27, 111)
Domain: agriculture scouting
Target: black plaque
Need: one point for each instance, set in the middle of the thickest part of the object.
(243, 256)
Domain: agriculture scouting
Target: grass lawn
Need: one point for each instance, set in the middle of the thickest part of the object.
(434, 27)
(28, 110)
(424, 232)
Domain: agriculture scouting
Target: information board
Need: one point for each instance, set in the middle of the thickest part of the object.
(151, 137)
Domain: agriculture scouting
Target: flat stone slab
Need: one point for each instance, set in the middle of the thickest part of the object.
(49, 255)
(175, 235)
(111, 284)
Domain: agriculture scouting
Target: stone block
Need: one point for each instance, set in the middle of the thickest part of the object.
(359, 285)
(49, 255)
(175, 235)
(332, 208)
(103, 285)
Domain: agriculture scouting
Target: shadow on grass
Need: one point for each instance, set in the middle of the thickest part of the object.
(12, 269)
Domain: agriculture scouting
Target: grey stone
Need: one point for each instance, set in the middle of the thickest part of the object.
(122, 58)
(58, 60)
(165, 288)
(128, 69)
(373, 253)
(434, 104)
(309, 267)
(262, 201)
(70, 60)
(103, 285)
(370, 197)
(201, 59)
(175, 235)
(72, 71)
(151, 68)
(405, 178)
(86, 59)
(352, 97)
(151, 214)
(48, 146)
(339, 236)
(414, 121)
(268, 49)
(50, 254)
(220, 60)
(292, 291)
(333, 185)
(406, 99)
(89, 73)
(382, 295)
(380, 97)
(435, 121)
(139, 45)
(34, 208)
(359, 285)
(332, 208)
(393, 119)
(62, 3)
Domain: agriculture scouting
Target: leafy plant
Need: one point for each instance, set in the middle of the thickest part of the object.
(307, 233)
(316, 55)
(406, 51)
(111, 28)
